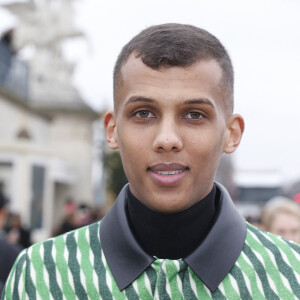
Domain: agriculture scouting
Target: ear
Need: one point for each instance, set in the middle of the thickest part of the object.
(234, 132)
(111, 130)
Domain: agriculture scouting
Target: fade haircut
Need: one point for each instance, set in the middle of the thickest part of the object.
(180, 45)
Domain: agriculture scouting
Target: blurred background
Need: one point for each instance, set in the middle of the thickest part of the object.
(56, 64)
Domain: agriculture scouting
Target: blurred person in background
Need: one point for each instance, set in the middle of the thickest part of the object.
(75, 216)
(16, 233)
(84, 215)
(69, 218)
(282, 217)
(8, 252)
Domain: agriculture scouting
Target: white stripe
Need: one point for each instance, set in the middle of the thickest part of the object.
(79, 259)
(12, 282)
(268, 236)
(95, 281)
(259, 284)
(259, 257)
(107, 275)
(148, 284)
(246, 258)
(222, 288)
(58, 276)
(167, 279)
(179, 281)
(67, 255)
(272, 257)
(192, 282)
(135, 287)
(234, 283)
(286, 283)
(21, 286)
(95, 277)
(254, 236)
(248, 283)
(45, 271)
(272, 284)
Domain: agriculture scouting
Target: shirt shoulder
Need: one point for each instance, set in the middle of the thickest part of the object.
(257, 238)
(268, 266)
(46, 268)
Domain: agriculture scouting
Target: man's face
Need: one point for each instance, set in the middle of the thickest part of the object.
(171, 129)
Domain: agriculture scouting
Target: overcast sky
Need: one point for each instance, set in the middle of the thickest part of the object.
(262, 37)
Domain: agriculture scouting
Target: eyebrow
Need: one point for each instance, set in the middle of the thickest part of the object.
(134, 99)
(203, 101)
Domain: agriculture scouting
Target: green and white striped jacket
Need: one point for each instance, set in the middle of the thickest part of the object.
(73, 266)
(104, 261)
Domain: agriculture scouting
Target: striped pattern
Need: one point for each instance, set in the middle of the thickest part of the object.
(72, 266)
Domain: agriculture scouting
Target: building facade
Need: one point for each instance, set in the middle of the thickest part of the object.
(46, 145)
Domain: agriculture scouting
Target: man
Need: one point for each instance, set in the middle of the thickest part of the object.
(8, 253)
(173, 233)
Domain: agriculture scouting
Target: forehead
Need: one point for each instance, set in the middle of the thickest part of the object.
(201, 79)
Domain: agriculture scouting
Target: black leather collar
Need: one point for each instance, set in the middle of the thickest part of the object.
(211, 261)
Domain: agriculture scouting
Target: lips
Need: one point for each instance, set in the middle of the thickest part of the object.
(168, 174)
(167, 167)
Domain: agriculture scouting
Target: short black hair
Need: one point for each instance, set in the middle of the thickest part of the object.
(181, 45)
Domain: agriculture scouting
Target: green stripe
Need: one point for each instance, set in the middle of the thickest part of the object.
(23, 276)
(38, 265)
(283, 267)
(51, 268)
(217, 295)
(98, 263)
(7, 291)
(86, 265)
(229, 290)
(294, 246)
(284, 247)
(270, 267)
(184, 274)
(202, 291)
(142, 287)
(63, 267)
(161, 284)
(239, 277)
(18, 273)
(75, 267)
(171, 273)
(131, 294)
(152, 276)
(249, 271)
(115, 292)
(29, 283)
(261, 272)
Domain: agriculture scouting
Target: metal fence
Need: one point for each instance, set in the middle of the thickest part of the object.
(14, 73)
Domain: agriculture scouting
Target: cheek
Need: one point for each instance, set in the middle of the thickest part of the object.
(207, 145)
(133, 148)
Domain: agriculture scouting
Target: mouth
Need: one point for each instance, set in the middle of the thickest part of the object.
(168, 174)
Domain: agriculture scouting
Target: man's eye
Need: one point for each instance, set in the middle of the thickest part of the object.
(193, 115)
(143, 114)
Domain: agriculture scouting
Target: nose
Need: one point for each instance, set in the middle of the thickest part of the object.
(167, 137)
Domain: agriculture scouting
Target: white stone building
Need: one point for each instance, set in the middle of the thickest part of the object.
(46, 129)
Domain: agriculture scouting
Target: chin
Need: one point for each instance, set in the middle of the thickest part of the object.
(169, 207)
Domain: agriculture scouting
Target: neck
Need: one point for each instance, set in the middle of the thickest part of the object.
(171, 236)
